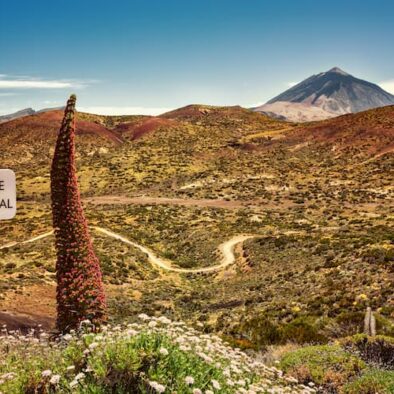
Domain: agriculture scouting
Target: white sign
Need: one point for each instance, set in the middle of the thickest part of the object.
(7, 194)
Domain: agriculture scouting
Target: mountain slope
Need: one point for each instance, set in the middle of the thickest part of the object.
(26, 112)
(297, 112)
(16, 115)
(335, 92)
(369, 132)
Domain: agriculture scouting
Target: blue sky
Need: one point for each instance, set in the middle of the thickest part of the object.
(146, 56)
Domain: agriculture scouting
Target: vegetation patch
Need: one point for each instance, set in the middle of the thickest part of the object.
(378, 350)
(328, 366)
(154, 356)
(372, 381)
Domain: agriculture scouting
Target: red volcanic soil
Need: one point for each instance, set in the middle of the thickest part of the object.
(214, 115)
(46, 126)
(35, 305)
(143, 127)
(200, 111)
(189, 111)
(373, 130)
(24, 323)
(86, 127)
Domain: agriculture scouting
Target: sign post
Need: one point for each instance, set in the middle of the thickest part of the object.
(7, 194)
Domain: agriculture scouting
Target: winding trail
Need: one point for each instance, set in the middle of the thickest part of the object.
(226, 249)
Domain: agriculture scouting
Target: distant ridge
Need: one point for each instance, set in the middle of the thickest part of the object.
(325, 95)
(25, 112)
(16, 115)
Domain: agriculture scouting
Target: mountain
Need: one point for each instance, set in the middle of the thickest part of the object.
(326, 95)
(295, 112)
(16, 115)
(25, 112)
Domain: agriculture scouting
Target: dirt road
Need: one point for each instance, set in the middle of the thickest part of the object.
(226, 249)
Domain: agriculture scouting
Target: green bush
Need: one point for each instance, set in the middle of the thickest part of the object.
(372, 382)
(328, 366)
(384, 326)
(263, 331)
(350, 323)
(302, 330)
(377, 350)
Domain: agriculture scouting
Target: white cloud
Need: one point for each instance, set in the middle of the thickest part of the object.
(388, 85)
(26, 82)
(254, 105)
(8, 110)
(7, 94)
(102, 110)
(291, 84)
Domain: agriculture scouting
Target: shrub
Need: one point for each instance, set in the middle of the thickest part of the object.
(377, 350)
(350, 323)
(261, 331)
(371, 382)
(384, 326)
(302, 330)
(326, 365)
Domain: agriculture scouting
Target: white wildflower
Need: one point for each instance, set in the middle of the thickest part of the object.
(215, 384)
(46, 374)
(80, 376)
(159, 388)
(8, 376)
(73, 383)
(189, 380)
(163, 351)
(164, 320)
(55, 379)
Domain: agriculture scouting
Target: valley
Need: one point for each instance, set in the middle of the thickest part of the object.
(196, 197)
(181, 185)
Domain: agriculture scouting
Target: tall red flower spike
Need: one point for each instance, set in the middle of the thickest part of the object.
(80, 291)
